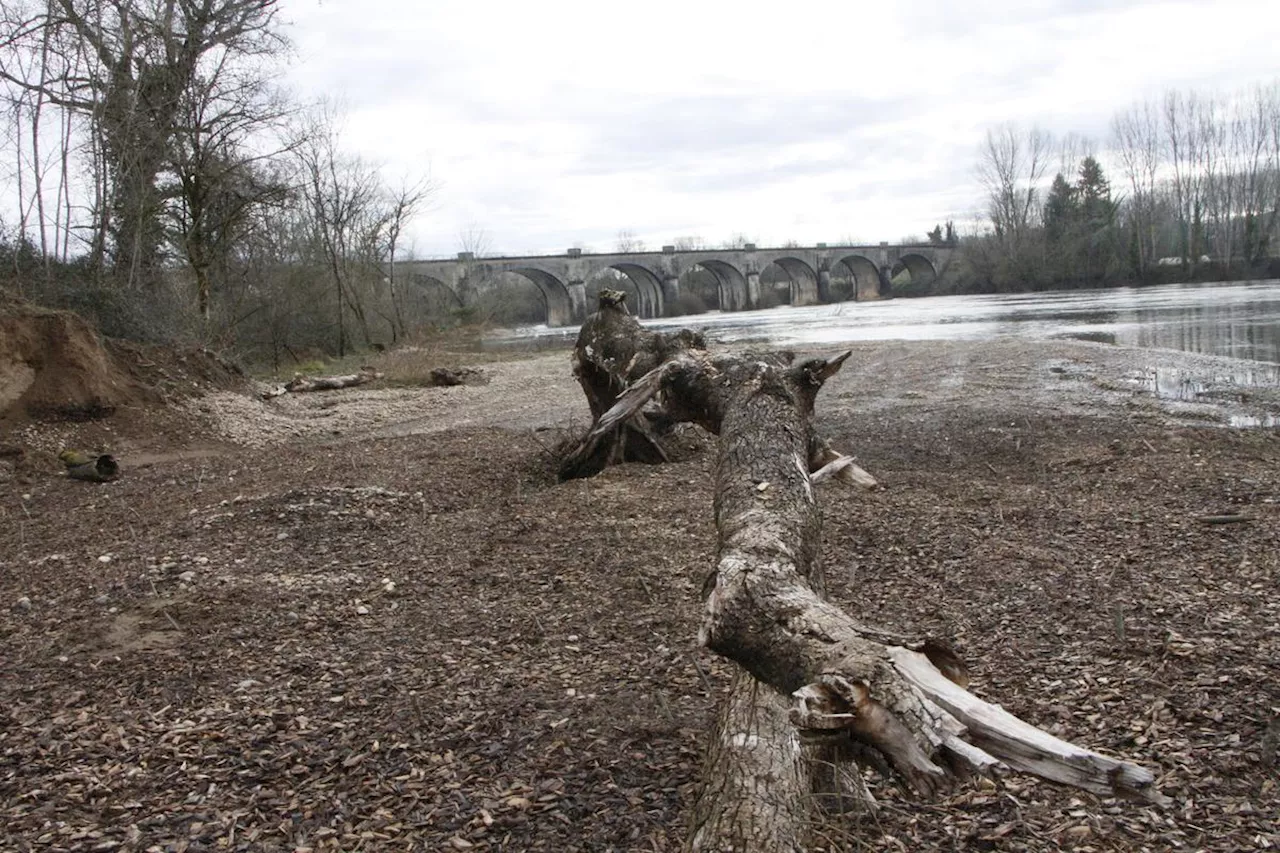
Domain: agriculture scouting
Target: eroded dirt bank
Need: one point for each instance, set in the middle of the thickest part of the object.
(368, 619)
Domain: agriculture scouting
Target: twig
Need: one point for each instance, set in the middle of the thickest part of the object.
(706, 680)
(1229, 518)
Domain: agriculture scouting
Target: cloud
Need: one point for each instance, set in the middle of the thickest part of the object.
(566, 122)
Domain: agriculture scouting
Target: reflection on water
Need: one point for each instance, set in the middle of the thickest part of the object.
(1223, 383)
(1254, 421)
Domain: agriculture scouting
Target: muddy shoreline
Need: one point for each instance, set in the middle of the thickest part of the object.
(370, 619)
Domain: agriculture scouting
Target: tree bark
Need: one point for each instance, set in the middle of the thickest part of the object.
(756, 778)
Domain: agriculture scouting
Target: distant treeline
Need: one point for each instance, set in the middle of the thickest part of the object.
(1191, 190)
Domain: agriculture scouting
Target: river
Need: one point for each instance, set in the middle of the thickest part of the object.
(1238, 320)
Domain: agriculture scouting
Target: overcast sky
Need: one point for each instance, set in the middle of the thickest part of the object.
(558, 123)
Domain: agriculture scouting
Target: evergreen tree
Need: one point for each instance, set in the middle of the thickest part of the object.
(1060, 209)
(1097, 216)
(1094, 193)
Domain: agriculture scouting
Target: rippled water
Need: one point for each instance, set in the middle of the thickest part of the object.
(1241, 320)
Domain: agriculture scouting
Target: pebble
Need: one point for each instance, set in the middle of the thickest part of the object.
(23, 603)
(187, 577)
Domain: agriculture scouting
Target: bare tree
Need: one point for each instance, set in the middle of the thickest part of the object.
(628, 242)
(1256, 133)
(1073, 148)
(1136, 141)
(405, 203)
(126, 68)
(214, 178)
(344, 196)
(1183, 142)
(1012, 167)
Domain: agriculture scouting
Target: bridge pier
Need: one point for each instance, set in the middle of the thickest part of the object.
(670, 289)
(577, 303)
(753, 291)
(824, 285)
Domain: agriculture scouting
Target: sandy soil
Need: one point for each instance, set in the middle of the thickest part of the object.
(370, 619)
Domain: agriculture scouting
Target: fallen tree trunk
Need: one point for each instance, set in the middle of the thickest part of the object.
(855, 689)
(302, 383)
(756, 780)
(766, 611)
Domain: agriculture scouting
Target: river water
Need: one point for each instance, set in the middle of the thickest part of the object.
(1240, 321)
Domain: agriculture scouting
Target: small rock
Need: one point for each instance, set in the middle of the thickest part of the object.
(105, 558)
(23, 603)
(362, 610)
(292, 616)
(187, 577)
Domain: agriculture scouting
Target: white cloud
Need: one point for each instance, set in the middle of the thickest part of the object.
(566, 121)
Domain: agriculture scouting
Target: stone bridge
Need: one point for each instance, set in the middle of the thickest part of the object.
(562, 279)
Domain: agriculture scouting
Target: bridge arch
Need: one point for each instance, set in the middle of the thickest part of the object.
(555, 294)
(425, 282)
(647, 284)
(734, 295)
(804, 280)
(865, 274)
(918, 266)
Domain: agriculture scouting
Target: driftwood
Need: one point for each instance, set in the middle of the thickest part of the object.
(639, 384)
(302, 383)
(850, 689)
(450, 376)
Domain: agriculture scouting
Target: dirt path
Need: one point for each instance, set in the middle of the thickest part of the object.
(369, 619)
